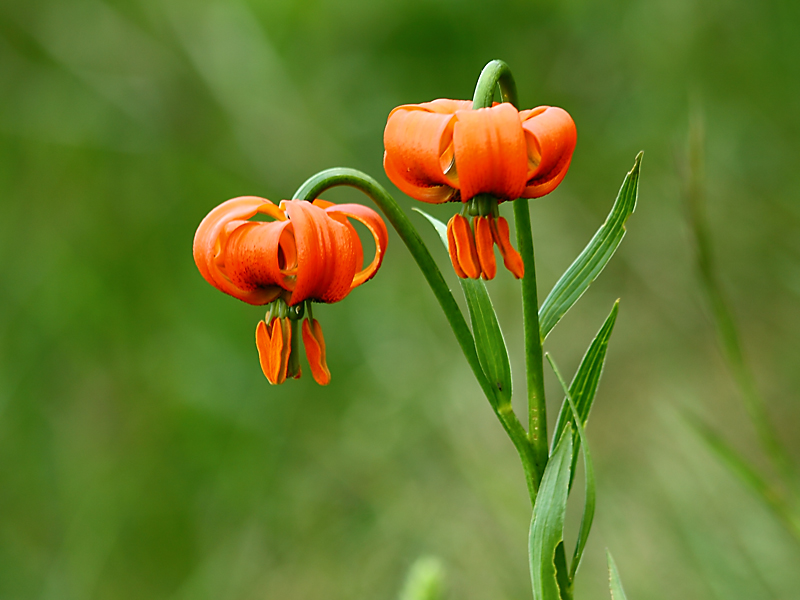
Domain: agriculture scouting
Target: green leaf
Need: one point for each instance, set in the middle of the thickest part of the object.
(617, 593)
(425, 580)
(489, 342)
(577, 279)
(591, 493)
(562, 573)
(547, 523)
(584, 385)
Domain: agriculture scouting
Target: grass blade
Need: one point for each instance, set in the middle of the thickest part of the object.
(724, 322)
(547, 523)
(589, 264)
(617, 593)
(748, 475)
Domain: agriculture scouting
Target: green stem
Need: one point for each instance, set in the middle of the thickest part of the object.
(534, 366)
(324, 180)
(495, 73)
(498, 73)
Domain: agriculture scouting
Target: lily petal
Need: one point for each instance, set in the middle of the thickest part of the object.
(377, 228)
(419, 149)
(326, 257)
(260, 255)
(550, 137)
(210, 242)
(490, 152)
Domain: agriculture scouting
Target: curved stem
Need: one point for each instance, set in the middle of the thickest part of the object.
(497, 73)
(324, 180)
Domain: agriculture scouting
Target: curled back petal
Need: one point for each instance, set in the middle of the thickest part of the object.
(260, 254)
(550, 138)
(326, 258)
(376, 227)
(490, 152)
(315, 351)
(358, 250)
(210, 243)
(419, 149)
(342, 264)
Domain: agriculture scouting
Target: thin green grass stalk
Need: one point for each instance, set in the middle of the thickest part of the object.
(728, 334)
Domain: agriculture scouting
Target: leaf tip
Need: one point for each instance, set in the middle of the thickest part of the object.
(637, 162)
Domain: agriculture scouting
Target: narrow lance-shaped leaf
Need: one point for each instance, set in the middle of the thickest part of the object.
(591, 493)
(617, 593)
(584, 385)
(581, 273)
(547, 523)
(489, 342)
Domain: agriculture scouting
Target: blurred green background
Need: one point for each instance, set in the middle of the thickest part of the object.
(144, 455)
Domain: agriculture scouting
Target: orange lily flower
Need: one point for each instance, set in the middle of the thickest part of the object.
(444, 151)
(309, 252)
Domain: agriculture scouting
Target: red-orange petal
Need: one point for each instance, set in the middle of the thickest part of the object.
(464, 254)
(261, 254)
(274, 343)
(326, 257)
(315, 351)
(376, 227)
(490, 152)
(511, 258)
(484, 244)
(210, 244)
(550, 137)
(418, 140)
(359, 251)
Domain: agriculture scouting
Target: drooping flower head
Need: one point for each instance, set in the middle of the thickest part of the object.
(444, 151)
(309, 252)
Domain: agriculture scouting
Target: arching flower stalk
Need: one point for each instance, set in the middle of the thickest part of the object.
(309, 253)
(444, 151)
